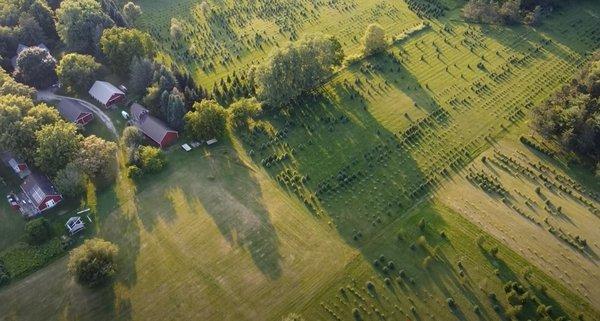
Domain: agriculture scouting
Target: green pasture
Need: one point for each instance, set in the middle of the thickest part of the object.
(213, 49)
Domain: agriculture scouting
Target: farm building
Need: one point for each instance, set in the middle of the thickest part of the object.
(75, 111)
(22, 47)
(152, 127)
(105, 93)
(38, 194)
(18, 166)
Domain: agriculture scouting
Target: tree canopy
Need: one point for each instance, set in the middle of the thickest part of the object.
(241, 111)
(57, 145)
(36, 68)
(121, 45)
(80, 24)
(207, 120)
(98, 158)
(93, 262)
(572, 115)
(374, 39)
(77, 72)
(296, 67)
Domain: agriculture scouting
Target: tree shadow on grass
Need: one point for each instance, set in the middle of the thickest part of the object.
(229, 193)
(236, 206)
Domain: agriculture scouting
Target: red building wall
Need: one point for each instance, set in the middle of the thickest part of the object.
(56, 198)
(88, 117)
(169, 139)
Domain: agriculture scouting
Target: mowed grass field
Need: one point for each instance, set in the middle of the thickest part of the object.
(565, 204)
(242, 34)
(210, 239)
(306, 205)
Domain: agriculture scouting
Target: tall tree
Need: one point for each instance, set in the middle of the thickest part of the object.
(374, 39)
(77, 72)
(295, 68)
(176, 109)
(57, 145)
(207, 120)
(141, 73)
(121, 45)
(80, 24)
(98, 158)
(131, 12)
(36, 68)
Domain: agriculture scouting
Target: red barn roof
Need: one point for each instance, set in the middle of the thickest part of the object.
(152, 127)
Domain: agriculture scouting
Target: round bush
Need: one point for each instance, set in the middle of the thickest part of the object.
(93, 262)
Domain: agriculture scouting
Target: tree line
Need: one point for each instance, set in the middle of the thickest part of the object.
(510, 12)
(571, 115)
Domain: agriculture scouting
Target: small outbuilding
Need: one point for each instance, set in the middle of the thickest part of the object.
(75, 111)
(18, 166)
(106, 93)
(22, 47)
(38, 194)
(74, 225)
(152, 127)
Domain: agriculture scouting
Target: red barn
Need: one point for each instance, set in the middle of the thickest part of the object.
(75, 111)
(38, 195)
(105, 93)
(19, 167)
(152, 127)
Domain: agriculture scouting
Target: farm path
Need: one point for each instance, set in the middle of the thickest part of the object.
(47, 95)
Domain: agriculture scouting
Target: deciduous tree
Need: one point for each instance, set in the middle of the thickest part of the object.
(93, 262)
(80, 24)
(36, 68)
(121, 45)
(374, 39)
(57, 145)
(207, 120)
(77, 72)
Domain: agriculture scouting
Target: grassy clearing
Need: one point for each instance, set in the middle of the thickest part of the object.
(215, 235)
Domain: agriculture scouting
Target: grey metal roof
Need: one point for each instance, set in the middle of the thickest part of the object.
(72, 109)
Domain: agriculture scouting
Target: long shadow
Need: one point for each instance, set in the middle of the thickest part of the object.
(227, 191)
(243, 221)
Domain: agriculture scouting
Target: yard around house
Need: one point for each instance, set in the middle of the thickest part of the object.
(305, 216)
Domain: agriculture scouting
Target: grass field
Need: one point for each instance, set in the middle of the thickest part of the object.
(238, 36)
(553, 218)
(282, 218)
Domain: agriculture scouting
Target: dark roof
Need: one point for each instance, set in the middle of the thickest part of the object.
(37, 187)
(149, 125)
(72, 109)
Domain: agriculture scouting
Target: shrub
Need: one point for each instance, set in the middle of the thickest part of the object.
(356, 314)
(132, 136)
(93, 262)
(152, 159)
(421, 224)
(4, 276)
(450, 302)
(38, 230)
(134, 172)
